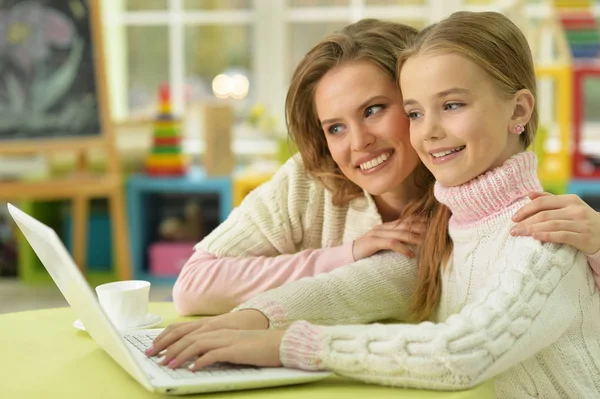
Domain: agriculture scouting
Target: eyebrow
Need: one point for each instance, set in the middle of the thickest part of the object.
(360, 107)
(441, 94)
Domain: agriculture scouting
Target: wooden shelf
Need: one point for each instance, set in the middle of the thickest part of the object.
(59, 188)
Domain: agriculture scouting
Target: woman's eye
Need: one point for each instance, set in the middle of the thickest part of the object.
(373, 109)
(334, 129)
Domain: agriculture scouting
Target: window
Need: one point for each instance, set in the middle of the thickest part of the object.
(187, 43)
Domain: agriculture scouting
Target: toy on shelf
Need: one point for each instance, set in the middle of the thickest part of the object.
(578, 20)
(150, 201)
(188, 228)
(580, 26)
(177, 236)
(166, 157)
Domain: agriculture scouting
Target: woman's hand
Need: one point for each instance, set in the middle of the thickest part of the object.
(250, 347)
(247, 319)
(563, 219)
(396, 236)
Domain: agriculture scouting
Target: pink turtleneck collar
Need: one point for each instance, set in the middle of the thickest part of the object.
(490, 193)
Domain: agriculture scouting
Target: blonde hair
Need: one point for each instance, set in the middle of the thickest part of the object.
(497, 46)
(372, 40)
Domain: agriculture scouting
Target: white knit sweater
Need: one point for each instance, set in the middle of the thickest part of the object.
(512, 309)
(291, 213)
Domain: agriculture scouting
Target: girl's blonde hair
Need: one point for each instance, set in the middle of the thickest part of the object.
(376, 41)
(498, 47)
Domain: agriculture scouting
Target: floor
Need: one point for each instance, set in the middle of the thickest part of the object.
(16, 297)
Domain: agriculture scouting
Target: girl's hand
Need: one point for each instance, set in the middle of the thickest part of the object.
(395, 236)
(250, 347)
(247, 319)
(563, 219)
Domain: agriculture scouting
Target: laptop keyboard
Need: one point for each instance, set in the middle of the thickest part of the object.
(144, 341)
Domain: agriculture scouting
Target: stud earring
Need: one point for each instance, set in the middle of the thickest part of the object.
(518, 129)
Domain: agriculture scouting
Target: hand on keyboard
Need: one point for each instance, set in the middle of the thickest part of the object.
(250, 347)
(142, 340)
(248, 319)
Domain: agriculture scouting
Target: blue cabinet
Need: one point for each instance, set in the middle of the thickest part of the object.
(151, 199)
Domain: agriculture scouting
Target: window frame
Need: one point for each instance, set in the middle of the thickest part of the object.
(270, 22)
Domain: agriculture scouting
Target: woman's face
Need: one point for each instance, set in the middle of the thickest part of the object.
(367, 132)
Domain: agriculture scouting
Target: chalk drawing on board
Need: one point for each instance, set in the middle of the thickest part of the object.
(47, 85)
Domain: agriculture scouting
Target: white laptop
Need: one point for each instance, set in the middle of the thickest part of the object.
(127, 348)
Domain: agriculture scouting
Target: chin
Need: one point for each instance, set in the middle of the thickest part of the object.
(377, 187)
(374, 191)
(382, 188)
(450, 181)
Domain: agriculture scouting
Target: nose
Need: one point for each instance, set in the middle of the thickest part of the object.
(360, 137)
(432, 130)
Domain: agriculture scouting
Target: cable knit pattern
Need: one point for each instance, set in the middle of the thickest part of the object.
(512, 309)
(594, 261)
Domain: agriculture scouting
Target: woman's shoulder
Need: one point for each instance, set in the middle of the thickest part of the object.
(291, 182)
(294, 166)
(294, 176)
(294, 183)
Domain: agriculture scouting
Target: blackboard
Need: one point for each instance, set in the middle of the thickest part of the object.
(47, 79)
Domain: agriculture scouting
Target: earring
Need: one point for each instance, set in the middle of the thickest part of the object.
(518, 129)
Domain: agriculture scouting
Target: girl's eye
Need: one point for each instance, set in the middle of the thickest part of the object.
(373, 109)
(413, 115)
(334, 129)
(452, 106)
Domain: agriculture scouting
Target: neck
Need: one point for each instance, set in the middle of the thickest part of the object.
(491, 192)
(389, 209)
(391, 204)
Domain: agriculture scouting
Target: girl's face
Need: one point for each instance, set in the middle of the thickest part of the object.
(459, 123)
(361, 114)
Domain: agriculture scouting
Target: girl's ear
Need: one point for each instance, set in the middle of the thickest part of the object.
(524, 104)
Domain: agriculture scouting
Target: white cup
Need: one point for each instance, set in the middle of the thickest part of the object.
(125, 302)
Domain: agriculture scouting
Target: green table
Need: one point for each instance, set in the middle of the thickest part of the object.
(44, 356)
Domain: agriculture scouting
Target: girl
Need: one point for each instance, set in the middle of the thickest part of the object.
(513, 309)
(322, 211)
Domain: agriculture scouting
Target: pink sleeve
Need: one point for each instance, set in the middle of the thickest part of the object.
(209, 285)
(594, 262)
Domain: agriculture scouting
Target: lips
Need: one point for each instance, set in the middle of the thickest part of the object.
(373, 158)
(442, 152)
(375, 161)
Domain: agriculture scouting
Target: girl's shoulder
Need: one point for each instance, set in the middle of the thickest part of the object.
(544, 255)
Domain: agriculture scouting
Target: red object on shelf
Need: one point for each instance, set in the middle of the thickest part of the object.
(166, 141)
(167, 258)
(166, 171)
(578, 21)
(583, 167)
(164, 93)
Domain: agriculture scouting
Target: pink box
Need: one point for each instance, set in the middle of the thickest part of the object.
(167, 258)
